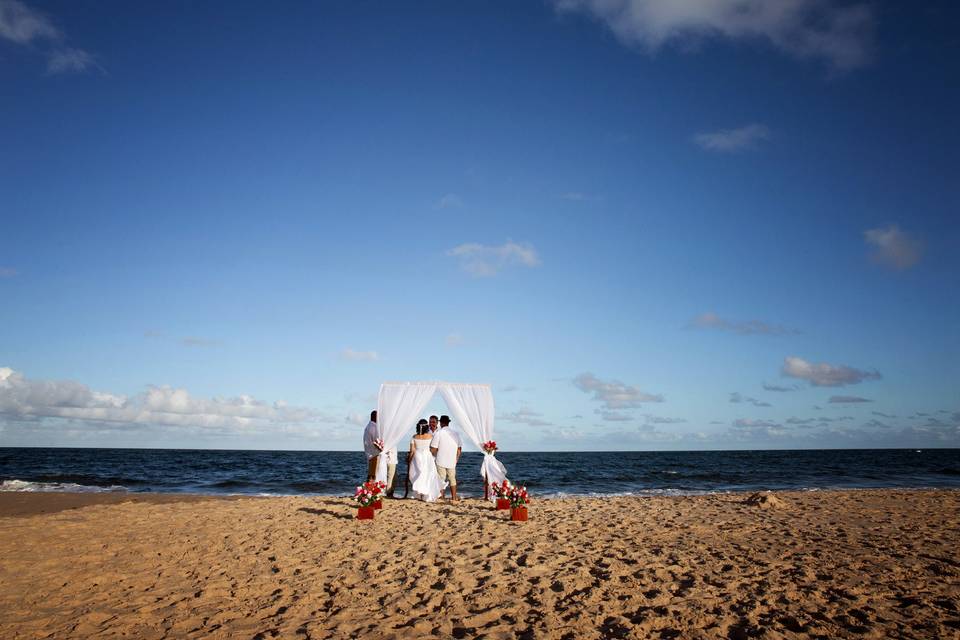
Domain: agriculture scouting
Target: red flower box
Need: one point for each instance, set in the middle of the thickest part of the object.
(378, 504)
(518, 514)
(503, 504)
(365, 513)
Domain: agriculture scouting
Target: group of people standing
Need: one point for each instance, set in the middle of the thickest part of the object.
(431, 460)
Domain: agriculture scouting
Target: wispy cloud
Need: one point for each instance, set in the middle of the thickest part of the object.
(652, 419)
(840, 35)
(525, 416)
(893, 248)
(711, 320)
(22, 398)
(453, 340)
(359, 356)
(488, 260)
(449, 201)
(738, 398)
(27, 27)
(847, 400)
(613, 416)
(22, 25)
(70, 60)
(747, 429)
(731, 140)
(825, 375)
(8, 272)
(779, 388)
(613, 393)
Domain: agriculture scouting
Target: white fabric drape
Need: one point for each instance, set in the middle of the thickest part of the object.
(473, 413)
(398, 407)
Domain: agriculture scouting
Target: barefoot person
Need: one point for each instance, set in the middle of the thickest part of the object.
(369, 448)
(446, 448)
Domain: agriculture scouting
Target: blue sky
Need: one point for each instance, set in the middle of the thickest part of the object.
(650, 226)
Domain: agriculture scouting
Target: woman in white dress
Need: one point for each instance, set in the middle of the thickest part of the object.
(423, 468)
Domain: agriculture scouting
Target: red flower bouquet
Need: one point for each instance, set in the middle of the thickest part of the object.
(490, 446)
(500, 491)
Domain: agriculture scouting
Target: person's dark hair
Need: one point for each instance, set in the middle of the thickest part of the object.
(444, 420)
(373, 415)
(422, 427)
(433, 417)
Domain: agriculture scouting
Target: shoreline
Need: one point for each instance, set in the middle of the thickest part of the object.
(27, 503)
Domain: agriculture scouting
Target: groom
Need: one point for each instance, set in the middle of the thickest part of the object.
(446, 448)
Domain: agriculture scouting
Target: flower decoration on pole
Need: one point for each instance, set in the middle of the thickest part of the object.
(490, 446)
(378, 443)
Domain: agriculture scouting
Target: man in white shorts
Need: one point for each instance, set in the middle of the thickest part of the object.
(446, 447)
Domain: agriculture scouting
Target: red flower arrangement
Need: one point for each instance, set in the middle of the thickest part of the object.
(518, 503)
(368, 498)
(369, 493)
(500, 493)
(517, 496)
(490, 446)
(500, 490)
(378, 443)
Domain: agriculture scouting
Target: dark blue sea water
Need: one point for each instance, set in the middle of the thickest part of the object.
(545, 474)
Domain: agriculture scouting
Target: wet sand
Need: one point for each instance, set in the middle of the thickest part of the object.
(857, 564)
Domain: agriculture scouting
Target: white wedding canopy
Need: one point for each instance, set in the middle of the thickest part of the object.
(401, 403)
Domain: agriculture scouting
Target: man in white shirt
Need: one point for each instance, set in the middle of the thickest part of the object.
(369, 449)
(446, 447)
(373, 454)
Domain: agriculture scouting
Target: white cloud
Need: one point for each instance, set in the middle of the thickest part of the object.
(22, 25)
(525, 416)
(825, 375)
(7, 272)
(69, 60)
(893, 248)
(738, 398)
(651, 419)
(26, 27)
(484, 261)
(730, 140)
(614, 394)
(779, 388)
(747, 429)
(23, 399)
(710, 320)
(838, 34)
(449, 201)
(453, 340)
(359, 356)
(613, 416)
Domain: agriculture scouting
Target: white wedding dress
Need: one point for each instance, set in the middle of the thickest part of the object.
(423, 472)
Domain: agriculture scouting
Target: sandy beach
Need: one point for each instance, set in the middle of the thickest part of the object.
(871, 563)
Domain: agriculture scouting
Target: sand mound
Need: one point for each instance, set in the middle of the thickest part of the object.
(765, 499)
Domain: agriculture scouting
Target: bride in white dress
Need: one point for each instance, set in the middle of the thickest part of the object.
(423, 468)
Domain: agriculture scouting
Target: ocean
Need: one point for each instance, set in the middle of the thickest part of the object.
(544, 474)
